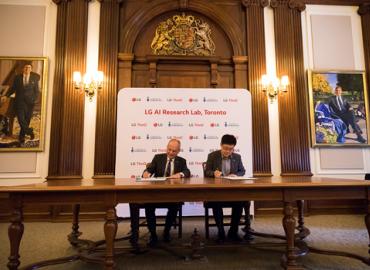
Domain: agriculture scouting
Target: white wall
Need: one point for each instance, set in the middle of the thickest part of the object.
(27, 27)
(332, 40)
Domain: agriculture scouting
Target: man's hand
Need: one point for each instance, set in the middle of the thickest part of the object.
(217, 173)
(175, 176)
(146, 174)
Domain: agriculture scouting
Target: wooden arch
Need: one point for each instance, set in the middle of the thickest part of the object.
(141, 18)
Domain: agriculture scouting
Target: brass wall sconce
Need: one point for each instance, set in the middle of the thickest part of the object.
(90, 83)
(273, 86)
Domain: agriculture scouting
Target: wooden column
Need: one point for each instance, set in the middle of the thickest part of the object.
(105, 149)
(364, 12)
(66, 141)
(293, 109)
(256, 68)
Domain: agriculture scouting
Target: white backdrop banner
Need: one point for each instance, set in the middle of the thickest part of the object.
(147, 118)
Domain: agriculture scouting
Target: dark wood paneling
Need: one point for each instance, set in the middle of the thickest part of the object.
(105, 150)
(256, 68)
(68, 104)
(292, 106)
(364, 12)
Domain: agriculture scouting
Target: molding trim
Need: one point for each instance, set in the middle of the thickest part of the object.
(298, 5)
(364, 9)
(261, 3)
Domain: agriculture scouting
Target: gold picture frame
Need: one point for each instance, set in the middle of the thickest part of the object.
(339, 109)
(23, 93)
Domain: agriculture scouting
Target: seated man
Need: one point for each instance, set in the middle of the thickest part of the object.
(172, 166)
(226, 163)
(342, 109)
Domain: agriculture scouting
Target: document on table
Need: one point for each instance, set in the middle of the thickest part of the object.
(239, 178)
(151, 179)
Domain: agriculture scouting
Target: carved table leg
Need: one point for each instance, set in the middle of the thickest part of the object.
(73, 236)
(289, 260)
(110, 231)
(303, 231)
(15, 233)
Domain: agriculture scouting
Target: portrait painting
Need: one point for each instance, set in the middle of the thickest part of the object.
(22, 103)
(339, 109)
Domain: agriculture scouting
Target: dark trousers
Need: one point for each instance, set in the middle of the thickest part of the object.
(236, 213)
(349, 119)
(151, 218)
(24, 114)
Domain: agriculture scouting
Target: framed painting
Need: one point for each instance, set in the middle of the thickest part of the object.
(339, 109)
(23, 91)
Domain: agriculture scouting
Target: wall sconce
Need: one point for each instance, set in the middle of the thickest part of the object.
(91, 83)
(273, 86)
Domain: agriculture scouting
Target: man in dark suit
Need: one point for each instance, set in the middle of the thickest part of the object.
(26, 89)
(225, 162)
(342, 109)
(172, 166)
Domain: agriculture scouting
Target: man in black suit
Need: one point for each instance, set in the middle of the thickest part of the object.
(168, 165)
(225, 162)
(26, 89)
(342, 109)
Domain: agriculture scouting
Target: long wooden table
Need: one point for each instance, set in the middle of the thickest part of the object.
(110, 192)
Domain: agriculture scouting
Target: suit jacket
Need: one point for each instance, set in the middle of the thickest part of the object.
(25, 93)
(214, 162)
(333, 104)
(159, 162)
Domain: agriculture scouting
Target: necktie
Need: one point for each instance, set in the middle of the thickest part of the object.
(340, 102)
(168, 169)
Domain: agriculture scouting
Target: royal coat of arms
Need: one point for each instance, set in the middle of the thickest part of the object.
(183, 35)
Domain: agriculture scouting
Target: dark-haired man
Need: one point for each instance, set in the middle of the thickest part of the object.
(225, 162)
(342, 109)
(26, 89)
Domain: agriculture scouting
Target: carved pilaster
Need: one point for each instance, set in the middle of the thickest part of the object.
(105, 150)
(256, 68)
(364, 12)
(293, 109)
(66, 141)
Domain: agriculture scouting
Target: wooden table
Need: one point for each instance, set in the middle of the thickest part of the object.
(110, 192)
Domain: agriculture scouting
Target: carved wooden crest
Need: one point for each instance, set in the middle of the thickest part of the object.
(183, 35)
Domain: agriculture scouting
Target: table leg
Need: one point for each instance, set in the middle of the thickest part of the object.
(303, 230)
(73, 236)
(289, 261)
(15, 233)
(110, 231)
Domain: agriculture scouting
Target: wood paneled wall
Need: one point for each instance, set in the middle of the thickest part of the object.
(66, 140)
(254, 20)
(105, 148)
(293, 113)
(364, 12)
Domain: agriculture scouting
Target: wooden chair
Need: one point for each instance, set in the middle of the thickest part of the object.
(207, 205)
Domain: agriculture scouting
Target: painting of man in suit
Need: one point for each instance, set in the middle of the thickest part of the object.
(21, 106)
(339, 109)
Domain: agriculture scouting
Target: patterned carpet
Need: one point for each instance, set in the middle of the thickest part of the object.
(342, 232)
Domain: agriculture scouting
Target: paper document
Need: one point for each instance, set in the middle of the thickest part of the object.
(239, 178)
(153, 179)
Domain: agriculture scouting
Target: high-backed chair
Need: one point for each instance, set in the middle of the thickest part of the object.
(207, 205)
